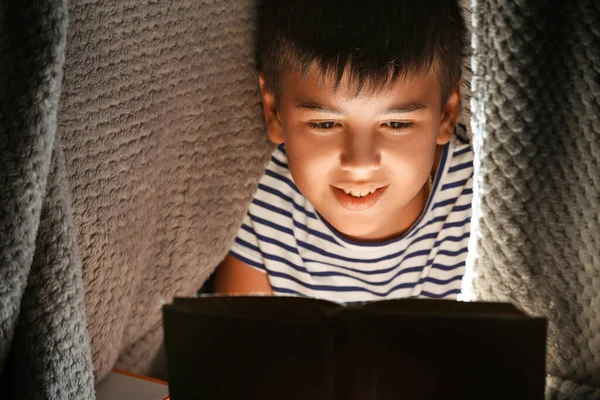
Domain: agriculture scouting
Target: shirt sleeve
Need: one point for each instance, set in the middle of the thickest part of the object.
(246, 246)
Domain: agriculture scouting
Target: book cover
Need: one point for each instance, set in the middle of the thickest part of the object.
(298, 348)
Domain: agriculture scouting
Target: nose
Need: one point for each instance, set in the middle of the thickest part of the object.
(360, 155)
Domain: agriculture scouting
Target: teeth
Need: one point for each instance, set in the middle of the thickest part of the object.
(359, 194)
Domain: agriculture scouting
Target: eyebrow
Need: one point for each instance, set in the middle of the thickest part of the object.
(314, 106)
(403, 108)
(398, 109)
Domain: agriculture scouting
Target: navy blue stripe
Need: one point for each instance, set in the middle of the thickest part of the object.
(452, 201)
(389, 280)
(346, 289)
(275, 242)
(325, 253)
(456, 224)
(281, 290)
(297, 224)
(305, 284)
(460, 167)
(440, 282)
(360, 271)
(271, 207)
(455, 184)
(280, 163)
(432, 221)
(455, 239)
(285, 261)
(439, 296)
(453, 253)
(270, 224)
(439, 266)
(445, 202)
(461, 152)
(247, 260)
(417, 254)
(380, 283)
(316, 233)
(446, 268)
(283, 179)
(245, 244)
(467, 190)
(281, 148)
(464, 207)
(286, 198)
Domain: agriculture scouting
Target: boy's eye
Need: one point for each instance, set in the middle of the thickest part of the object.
(322, 125)
(397, 125)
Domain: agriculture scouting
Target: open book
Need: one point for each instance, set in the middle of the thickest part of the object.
(287, 348)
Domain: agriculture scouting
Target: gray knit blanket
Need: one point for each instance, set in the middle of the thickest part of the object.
(536, 226)
(132, 140)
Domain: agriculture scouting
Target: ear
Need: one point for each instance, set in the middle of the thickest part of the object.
(274, 128)
(449, 118)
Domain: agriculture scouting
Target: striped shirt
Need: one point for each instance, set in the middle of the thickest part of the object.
(284, 236)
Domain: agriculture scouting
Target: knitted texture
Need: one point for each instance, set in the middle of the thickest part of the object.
(44, 347)
(464, 116)
(164, 144)
(535, 111)
(558, 389)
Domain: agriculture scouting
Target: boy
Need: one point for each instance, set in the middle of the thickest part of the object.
(368, 194)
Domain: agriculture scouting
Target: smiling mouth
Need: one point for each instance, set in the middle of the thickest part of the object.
(358, 200)
(360, 193)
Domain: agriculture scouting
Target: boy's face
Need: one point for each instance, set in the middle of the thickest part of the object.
(362, 161)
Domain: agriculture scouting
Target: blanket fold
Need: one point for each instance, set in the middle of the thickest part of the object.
(536, 216)
(44, 345)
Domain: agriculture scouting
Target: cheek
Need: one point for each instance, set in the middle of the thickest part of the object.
(410, 159)
(312, 162)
